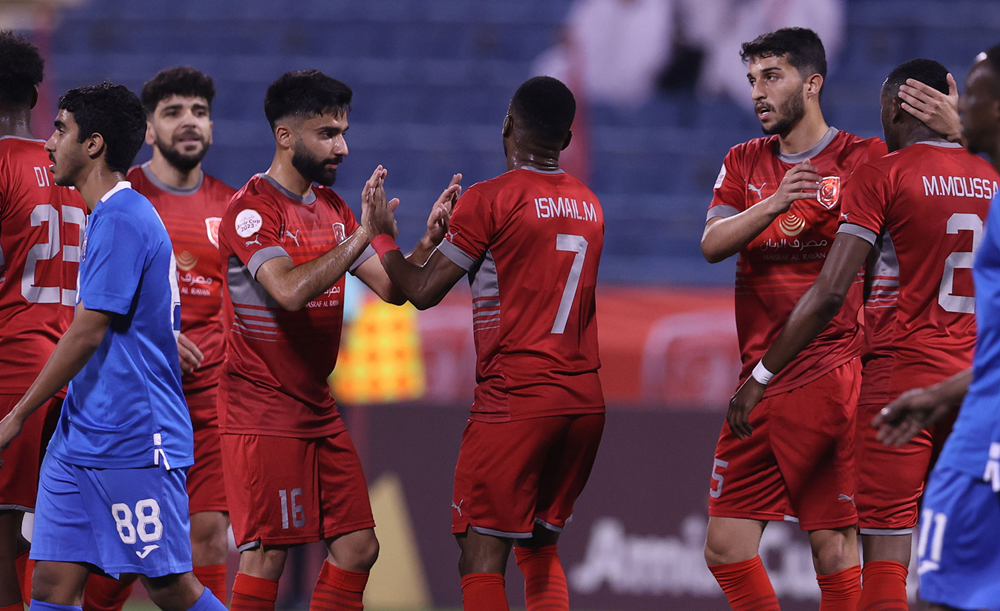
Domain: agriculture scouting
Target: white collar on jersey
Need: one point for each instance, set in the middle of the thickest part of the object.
(122, 184)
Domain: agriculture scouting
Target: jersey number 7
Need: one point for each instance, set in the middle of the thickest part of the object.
(577, 244)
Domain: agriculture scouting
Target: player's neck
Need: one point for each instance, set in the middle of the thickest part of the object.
(173, 176)
(922, 133)
(285, 174)
(16, 123)
(98, 181)
(805, 135)
(533, 156)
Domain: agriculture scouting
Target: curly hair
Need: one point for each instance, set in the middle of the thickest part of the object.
(115, 113)
(21, 70)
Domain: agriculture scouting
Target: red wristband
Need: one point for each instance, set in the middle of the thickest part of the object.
(383, 243)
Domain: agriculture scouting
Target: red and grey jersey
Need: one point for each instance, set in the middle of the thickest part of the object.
(531, 242)
(192, 218)
(277, 364)
(927, 203)
(778, 266)
(41, 232)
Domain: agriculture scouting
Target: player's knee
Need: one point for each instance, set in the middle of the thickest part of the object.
(364, 554)
(834, 550)
(209, 542)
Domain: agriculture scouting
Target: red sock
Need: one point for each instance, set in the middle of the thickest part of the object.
(24, 568)
(544, 579)
(338, 590)
(746, 585)
(840, 591)
(484, 592)
(213, 577)
(253, 593)
(105, 594)
(884, 586)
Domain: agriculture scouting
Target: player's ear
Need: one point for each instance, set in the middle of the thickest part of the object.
(211, 127)
(814, 84)
(95, 145)
(34, 96)
(150, 133)
(508, 126)
(283, 136)
(569, 138)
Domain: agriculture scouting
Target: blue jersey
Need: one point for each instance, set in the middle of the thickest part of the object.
(126, 409)
(975, 440)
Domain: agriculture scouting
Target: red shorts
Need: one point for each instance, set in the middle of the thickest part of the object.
(891, 480)
(23, 458)
(513, 475)
(799, 462)
(288, 491)
(205, 486)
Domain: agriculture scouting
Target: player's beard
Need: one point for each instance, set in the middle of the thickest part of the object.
(313, 168)
(179, 160)
(789, 115)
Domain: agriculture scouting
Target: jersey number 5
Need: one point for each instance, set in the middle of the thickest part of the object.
(960, 304)
(47, 213)
(577, 244)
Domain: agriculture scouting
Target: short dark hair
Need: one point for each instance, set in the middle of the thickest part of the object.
(115, 113)
(546, 107)
(993, 59)
(800, 47)
(927, 71)
(21, 69)
(305, 93)
(180, 80)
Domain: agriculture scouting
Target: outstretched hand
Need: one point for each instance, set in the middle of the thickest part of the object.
(377, 213)
(740, 406)
(440, 217)
(910, 413)
(937, 110)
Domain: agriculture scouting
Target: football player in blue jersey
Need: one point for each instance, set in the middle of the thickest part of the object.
(112, 495)
(959, 545)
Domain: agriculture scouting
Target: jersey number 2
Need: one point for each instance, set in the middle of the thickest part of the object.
(960, 304)
(577, 244)
(47, 213)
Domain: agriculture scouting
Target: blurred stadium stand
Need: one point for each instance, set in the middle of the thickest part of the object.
(432, 79)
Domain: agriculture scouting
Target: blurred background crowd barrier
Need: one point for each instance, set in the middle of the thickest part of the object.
(662, 96)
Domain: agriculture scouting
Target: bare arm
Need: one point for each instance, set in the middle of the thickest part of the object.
(811, 315)
(724, 237)
(917, 409)
(72, 352)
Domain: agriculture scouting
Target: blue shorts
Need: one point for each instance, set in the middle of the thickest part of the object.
(119, 520)
(959, 547)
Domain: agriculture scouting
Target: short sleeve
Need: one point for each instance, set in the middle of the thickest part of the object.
(114, 257)
(470, 232)
(252, 228)
(729, 194)
(864, 203)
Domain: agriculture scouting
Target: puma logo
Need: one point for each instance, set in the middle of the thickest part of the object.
(254, 241)
(145, 551)
(294, 236)
(458, 507)
(844, 215)
(844, 497)
(757, 190)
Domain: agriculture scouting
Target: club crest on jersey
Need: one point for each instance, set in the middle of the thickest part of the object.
(212, 229)
(248, 222)
(339, 233)
(791, 225)
(828, 193)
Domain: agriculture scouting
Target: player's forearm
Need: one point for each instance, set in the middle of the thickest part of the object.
(72, 352)
(953, 390)
(725, 237)
(391, 293)
(422, 251)
(811, 315)
(306, 282)
(413, 281)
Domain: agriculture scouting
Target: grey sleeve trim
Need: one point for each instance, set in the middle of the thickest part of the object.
(722, 211)
(366, 254)
(456, 255)
(262, 256)
(858, 231)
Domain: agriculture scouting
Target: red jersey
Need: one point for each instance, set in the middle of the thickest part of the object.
(531, 242)
(930, 200)
(277, 362)
(41, 226)
(192, 218)
(880, 316)
(779, 265)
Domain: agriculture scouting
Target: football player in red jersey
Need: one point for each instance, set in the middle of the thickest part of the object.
(292, 474)
(178, 104)
(776, 203)
(530, 241)
(41, 227)
(924, 207)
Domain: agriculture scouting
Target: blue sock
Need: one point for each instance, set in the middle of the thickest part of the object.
(37, 605)
(207, 602)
